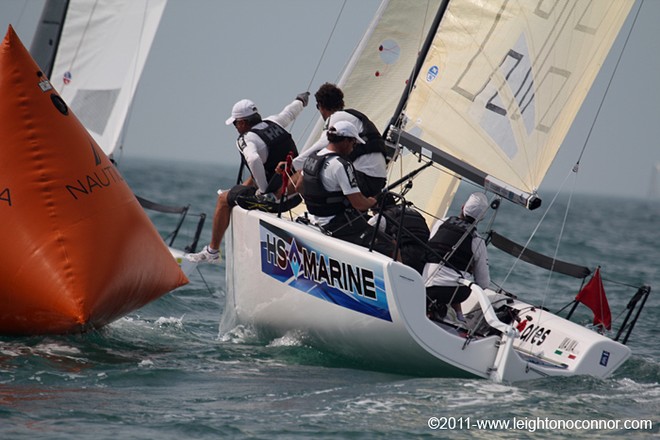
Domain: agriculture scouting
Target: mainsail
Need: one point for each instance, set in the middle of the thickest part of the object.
(500, 86)
(496, 88)
(97, 58)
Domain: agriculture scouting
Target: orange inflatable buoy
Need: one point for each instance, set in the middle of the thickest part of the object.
(77, 250)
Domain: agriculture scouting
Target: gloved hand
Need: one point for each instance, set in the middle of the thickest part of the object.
(304, 98)
(265, 197)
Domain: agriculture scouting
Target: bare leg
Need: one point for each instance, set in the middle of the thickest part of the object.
(220, 220)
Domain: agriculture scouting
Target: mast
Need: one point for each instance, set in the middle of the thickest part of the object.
(47, 36)
(394, 133)
(418, 65)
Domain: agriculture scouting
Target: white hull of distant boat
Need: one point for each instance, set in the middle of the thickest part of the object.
(185, 264)
(367, 307)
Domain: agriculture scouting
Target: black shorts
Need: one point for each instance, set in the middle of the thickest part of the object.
(347, 226)
(447, 294)
(369, 186)
(413, 255)
(438, 298)
(353, 227)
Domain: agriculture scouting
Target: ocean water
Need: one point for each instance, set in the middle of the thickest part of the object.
(166, 372)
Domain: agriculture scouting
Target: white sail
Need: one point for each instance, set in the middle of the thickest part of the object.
(504, 79)
(380, 67)
(102, 51)
(378, 74)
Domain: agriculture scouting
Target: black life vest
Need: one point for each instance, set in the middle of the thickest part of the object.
(374, 140)
(279, 143)
(446, 237)
(413, 224)
(319, 200)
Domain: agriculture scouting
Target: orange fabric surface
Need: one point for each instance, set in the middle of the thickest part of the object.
(77, 250)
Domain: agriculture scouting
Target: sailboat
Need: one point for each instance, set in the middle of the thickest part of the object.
(494, 89)
(94, 53)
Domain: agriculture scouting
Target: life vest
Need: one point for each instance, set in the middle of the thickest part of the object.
(319, 200)
(374, 140)
(279, 143)
(448, 234)
(413, 224)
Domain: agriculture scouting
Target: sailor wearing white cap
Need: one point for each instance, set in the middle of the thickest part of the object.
(263, 143)
(331, 191)
(468, 260)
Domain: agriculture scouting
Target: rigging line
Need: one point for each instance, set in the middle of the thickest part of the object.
(618, 283)
(327, 43)
(318, 65)
(554, 257)
(82, 38)
(204, 280)
(536, 228)
(20, 16)
(616, 66)
(133, 83)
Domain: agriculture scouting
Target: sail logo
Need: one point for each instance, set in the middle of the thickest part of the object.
(333, 278)
(432, 73)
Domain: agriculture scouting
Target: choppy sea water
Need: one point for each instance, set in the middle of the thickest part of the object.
(166, 372)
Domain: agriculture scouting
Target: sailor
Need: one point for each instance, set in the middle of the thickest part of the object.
(330, 189)
(263, 144)
(407, 227)
(469, 260)
(369, 157)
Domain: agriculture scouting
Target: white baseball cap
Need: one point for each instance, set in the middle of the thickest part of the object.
(242, 109)
(346, 129)
(476, 205)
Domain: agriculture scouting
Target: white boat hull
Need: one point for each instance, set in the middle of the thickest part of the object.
(185, 264)
(284, 276)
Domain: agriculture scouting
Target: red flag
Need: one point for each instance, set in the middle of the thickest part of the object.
(593, 296)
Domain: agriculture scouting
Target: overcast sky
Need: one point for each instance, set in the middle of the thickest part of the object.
(210, 53)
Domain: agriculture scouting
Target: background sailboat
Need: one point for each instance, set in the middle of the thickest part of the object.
(94, 53)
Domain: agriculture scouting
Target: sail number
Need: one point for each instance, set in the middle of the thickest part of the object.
(535, 334)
